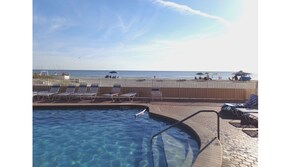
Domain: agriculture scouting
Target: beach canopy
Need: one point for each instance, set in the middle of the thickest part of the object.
(199, 73)
(241, 73)
(113, 72)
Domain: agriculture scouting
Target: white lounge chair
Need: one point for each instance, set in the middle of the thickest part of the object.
(92, 92)
(35, 93)
(69, 91)
(156, 93)
(130, 96)
(81, 90)
(53, 90)
(115, 91)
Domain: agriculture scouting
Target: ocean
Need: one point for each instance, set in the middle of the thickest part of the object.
(144, 74)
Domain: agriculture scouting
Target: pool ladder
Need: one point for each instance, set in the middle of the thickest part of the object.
(181, 121)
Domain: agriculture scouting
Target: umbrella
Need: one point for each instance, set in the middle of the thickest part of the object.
(241, 73)
(113, 72)
(199, 73)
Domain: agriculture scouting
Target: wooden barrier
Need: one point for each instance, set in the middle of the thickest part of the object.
(222, 94)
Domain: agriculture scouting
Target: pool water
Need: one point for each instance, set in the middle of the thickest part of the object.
(107, 137)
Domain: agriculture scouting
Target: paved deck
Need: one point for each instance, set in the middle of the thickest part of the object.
(238, 148)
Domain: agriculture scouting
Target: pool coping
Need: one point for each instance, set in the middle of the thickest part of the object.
(211, 156)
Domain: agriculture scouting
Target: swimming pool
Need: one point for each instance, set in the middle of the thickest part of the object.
(107, 137)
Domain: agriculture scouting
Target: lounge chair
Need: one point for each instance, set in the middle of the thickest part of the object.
(252, 118)
(92, 92)
(130, 96)
(243, 112)
(115, 91)
(53, 90)
(81, 90)
(251, 103)
(34, 95)
(69, 91)
(246, 115)
(156, 93)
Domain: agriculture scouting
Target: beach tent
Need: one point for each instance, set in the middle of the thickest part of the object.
(199, 73)
(244, 76)
(113, 72)
(241, 73)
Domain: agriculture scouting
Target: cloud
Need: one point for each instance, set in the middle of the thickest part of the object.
(52, 24)
(122, 24)
(57, 23)
(233, 48)
(187, 9)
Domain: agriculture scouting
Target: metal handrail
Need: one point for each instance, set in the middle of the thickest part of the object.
(181, 121)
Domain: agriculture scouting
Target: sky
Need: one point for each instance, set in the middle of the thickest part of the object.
(175, 35)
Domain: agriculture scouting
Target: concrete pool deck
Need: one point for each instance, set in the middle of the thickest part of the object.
(235, 148)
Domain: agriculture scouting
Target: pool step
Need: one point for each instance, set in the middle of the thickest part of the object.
(189, 158)
(158, 152)
(177, 153)
(144, 157)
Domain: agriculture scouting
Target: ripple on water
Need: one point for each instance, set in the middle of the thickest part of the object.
(93, 137)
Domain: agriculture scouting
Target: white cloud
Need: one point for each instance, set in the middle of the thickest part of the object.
(52, 24)
(58, 23)
(122, 24)
(235, 48)
(187, 9)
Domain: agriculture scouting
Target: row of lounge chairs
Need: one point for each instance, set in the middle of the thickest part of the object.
(82, 93)
(246, 111)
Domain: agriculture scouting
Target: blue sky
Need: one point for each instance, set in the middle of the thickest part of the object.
(145, 35)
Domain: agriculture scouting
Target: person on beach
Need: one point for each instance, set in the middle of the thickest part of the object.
(207, 77)
(234, 78)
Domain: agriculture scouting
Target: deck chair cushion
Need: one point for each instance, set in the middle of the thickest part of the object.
(252, 102)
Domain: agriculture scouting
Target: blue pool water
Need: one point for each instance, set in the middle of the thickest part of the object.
(106, 137)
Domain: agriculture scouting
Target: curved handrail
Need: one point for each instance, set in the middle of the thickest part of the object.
(181, 121)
